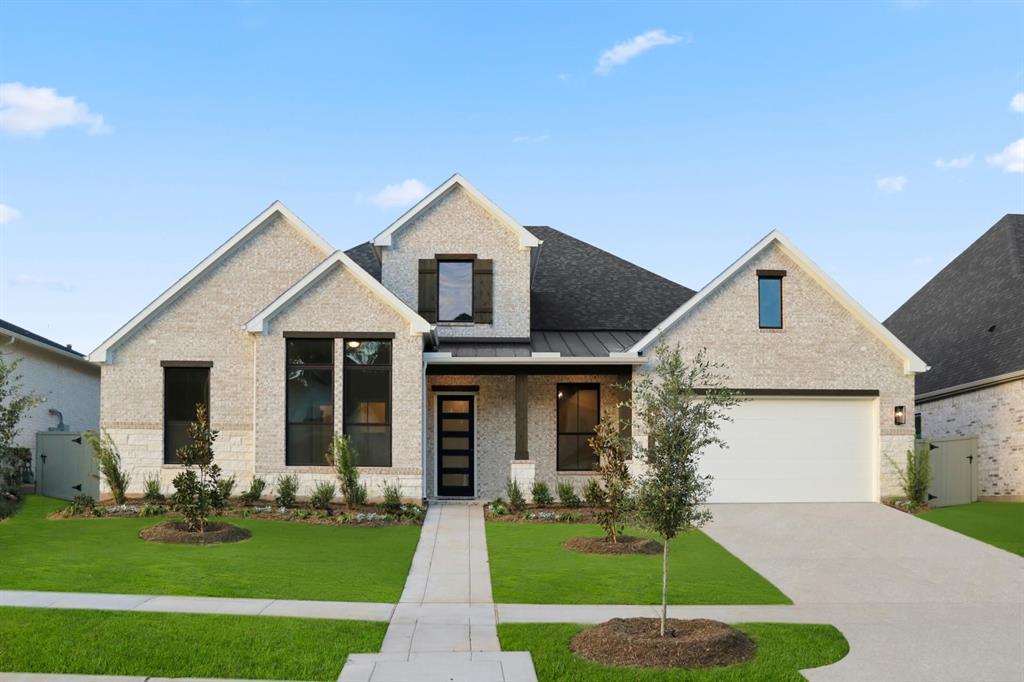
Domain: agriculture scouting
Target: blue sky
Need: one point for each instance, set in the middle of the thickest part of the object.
(135, 138)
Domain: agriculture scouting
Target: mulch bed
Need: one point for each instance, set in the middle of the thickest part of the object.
(627, 544)
(698, 643)
(177, 532)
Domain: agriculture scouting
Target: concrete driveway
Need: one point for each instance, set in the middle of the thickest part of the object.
(915, 601)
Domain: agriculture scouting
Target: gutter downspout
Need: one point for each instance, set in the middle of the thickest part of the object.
(423, 433)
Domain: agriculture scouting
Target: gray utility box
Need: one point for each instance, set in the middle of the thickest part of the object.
(65, 466)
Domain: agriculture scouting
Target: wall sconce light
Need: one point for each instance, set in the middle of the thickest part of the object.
(900, 415)
(354, 344)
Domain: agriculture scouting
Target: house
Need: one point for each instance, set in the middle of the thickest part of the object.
(459, 349)
(968, 321)
(67, 382)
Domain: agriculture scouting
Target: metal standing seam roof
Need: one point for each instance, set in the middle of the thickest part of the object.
(569, 343)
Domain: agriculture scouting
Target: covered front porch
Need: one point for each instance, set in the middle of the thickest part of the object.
(490, 419)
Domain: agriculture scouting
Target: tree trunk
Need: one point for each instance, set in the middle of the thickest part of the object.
(664, 585)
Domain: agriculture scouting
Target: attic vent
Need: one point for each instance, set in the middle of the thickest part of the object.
(992, 328)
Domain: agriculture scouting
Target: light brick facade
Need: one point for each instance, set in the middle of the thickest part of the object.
(993, 415)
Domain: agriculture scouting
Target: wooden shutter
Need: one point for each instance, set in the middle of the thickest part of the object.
(483, 291)
(428, 289)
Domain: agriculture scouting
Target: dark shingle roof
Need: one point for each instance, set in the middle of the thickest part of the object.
(36, 337)
(578, 287)
(968, 321)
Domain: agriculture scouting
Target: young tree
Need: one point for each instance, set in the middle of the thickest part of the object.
(196, 489)
(14, 403)
(613, 446)
(343, 458)
(682, 407)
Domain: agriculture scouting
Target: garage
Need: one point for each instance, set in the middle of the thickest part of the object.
(785, 449)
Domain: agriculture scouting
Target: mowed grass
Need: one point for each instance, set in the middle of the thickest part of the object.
(783, 649)
(281, 561)
(997, 523)
(180, 645)
(530, 566)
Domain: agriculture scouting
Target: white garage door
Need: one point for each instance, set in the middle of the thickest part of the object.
(796, 450)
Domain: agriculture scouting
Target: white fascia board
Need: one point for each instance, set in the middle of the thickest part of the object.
(103, 350)
(911, 362)
(18, 338)
(259, 323)
(449, 359)
(526, 238)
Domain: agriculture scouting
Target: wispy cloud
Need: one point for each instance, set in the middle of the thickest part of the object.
(40, 283)
(921, 261)
(404, 193)
(8, 213)
(1017, 103)
(635, 46)
(1010, 159)
(530, 139)
(957, 163)
(564, 76)
(26, 110)
(892, 183)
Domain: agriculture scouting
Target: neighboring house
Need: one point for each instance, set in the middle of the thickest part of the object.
(458, 349)
(968, 322)
(68, 384)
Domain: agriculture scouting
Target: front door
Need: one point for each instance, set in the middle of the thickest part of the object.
(455, 446)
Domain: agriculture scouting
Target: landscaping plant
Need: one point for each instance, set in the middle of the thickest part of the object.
(541, 494)
(254, 492)
(287, 487)
(592, 493)
(917, 476)
(516, 501)
(151, 490)
(196, 489)
(613, 446)
(392, 503)
(322, 496)
(108, 460)
(567, 495)
(14, 403)
(343, 458)
(681, 423)
(224, 488)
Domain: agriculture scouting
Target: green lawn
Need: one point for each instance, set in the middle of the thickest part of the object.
(180, 645)
(529, 566)
(282, 560)
(997, 523)
(783, 649)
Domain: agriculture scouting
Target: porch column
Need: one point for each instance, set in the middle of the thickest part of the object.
(522, 427)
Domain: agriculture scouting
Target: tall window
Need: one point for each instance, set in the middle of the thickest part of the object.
(769, 301)
(579, 410)
(455, 291)
(309, 401)
(184, 388)
(367, 400)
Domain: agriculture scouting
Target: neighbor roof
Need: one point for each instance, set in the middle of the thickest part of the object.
(968, 320)
(16, 332)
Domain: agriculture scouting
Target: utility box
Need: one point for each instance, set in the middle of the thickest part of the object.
(65, 466)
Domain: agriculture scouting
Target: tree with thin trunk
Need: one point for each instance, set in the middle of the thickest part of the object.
(14, 403)
(613, 447)
(681, 405)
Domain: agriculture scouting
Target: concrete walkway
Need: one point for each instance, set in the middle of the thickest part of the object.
(444, 628)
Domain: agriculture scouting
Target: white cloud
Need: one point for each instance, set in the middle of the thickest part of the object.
(26, 110)
(564, 76)
(1017, 103)
(1010, 159)
(637, 45)
(403, 194)
(530, 139)
(961, 162)
(893, 183)
(40, 282)
(8, 213)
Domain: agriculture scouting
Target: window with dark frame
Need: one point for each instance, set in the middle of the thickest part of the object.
(309, 401)
(455, 291)
(184, 388)
(769, 300)
(579, 411)
(917, 425)
(367, 400)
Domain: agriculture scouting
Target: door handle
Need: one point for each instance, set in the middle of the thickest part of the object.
(970, 459)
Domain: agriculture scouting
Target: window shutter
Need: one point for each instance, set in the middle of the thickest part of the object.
(483, 291)
(428, 289)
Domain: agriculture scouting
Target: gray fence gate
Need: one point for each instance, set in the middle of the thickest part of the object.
(955, 471)
(65, 466)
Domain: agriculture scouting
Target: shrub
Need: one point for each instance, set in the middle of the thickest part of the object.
(108, 459)
(343, 458)
(498, 507)
(151, 490)
(150, 509)
(592, 493)
(917, 476)
(392, 503)
(255, 491)
(541, 493)
(81, 504)
(516, 501)
(14, 403)
(197, 489)
(567, 495)
(287, 487)
(322, 495)
(224, 488)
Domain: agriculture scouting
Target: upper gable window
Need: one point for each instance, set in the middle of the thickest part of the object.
(769, 298)
(455, 291)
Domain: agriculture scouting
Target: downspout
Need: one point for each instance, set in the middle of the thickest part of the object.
(423, 432)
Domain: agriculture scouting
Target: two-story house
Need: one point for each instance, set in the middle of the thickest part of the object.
(458, 349)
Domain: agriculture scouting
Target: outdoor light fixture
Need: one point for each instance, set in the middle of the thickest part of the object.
(900, 415)
(354, 344)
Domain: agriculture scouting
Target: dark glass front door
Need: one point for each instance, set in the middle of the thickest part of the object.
(455, 446)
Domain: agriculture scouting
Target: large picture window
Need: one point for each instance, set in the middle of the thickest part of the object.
(367, 400)
(455, 291)
(184, 388)
(309, 401)
(579, 410)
